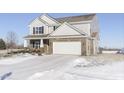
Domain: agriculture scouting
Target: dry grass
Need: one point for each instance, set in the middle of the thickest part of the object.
(106, 57)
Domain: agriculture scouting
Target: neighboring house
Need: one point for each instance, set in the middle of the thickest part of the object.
(76, 35)
(109, 50)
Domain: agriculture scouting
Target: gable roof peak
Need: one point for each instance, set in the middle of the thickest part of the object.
(45, 14)
(48, 16)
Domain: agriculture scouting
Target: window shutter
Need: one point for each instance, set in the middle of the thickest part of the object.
(33, 30)
(42, 29)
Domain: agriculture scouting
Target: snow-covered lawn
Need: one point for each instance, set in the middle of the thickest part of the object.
(16, 59)
(23, 69)
(99, 67)
(62, 67)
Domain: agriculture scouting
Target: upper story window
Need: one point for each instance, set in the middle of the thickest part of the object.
(38, 30)
(55, 27)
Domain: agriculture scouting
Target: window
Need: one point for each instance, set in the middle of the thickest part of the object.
(54, 28)
(38, 30)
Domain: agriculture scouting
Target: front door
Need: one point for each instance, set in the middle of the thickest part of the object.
(37, 45)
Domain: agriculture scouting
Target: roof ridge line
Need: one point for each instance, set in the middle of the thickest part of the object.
(76, 16)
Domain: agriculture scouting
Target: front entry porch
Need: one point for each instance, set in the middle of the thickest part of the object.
(37, 44)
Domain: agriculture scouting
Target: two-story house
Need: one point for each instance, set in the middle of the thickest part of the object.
(76, 35)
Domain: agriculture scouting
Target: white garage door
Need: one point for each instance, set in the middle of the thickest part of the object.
(73, 48)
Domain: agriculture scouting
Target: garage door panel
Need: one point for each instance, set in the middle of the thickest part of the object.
(73, 48)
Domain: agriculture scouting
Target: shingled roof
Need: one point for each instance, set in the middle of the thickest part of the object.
(87, 17)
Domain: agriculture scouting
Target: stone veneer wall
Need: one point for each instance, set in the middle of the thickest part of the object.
(92, 47)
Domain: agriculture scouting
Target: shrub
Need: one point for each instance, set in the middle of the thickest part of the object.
(2, 44)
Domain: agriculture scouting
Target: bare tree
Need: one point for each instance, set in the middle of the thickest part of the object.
(11, 40)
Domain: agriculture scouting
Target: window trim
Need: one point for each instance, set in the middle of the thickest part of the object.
(38, 30)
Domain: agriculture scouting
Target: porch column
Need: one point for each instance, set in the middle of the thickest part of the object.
(26, 43)
(41, 43)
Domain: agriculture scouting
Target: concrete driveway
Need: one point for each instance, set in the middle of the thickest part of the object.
(26, 68)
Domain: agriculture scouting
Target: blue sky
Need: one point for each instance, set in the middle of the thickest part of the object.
(111, 26)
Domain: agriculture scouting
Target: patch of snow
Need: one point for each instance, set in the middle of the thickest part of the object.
(79, 62)
(37, 75)
(51, 74)
(16, 59)
(107, 71)
(83, 69)
(60, 73)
